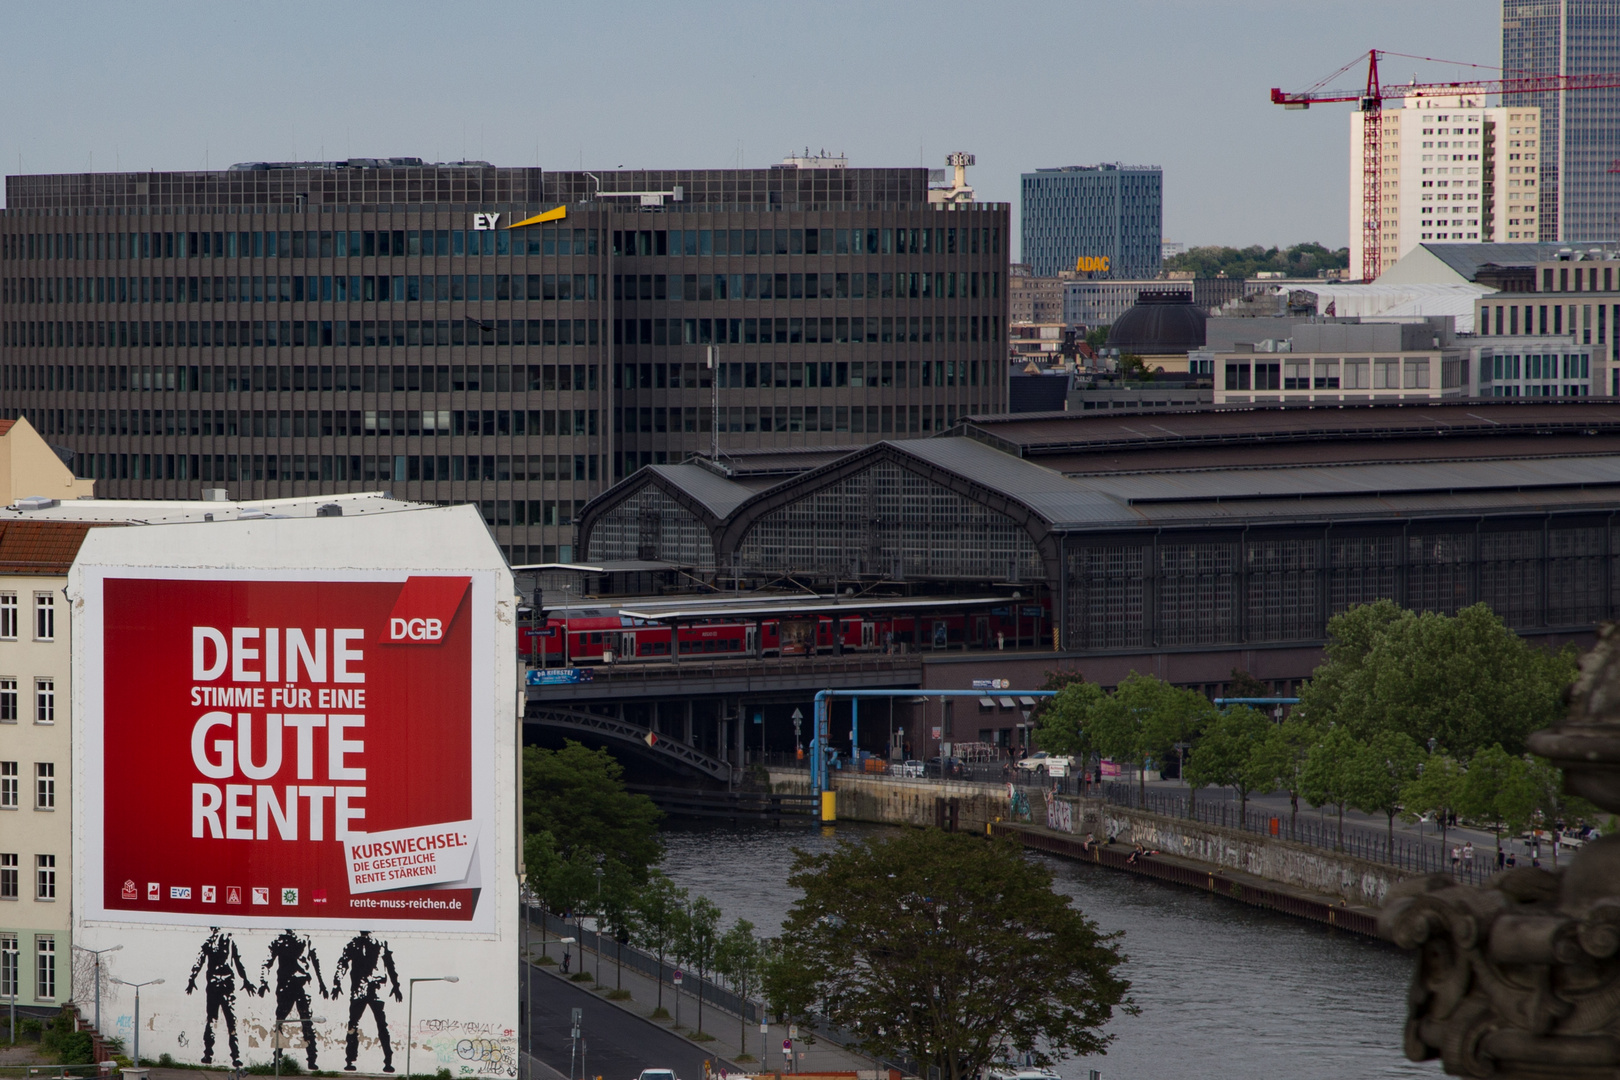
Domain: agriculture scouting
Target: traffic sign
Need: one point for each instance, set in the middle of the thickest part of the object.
(677, 978)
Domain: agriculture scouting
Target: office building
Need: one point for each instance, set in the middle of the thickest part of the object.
(513, 338)
(1579, 129)
(1103, 220)
(1575, 297)
(1454, 171)
(1349, 362)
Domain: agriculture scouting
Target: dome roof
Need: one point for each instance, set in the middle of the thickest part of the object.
(1161, 322)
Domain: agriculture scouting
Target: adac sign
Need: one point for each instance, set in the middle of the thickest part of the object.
(1092, 264)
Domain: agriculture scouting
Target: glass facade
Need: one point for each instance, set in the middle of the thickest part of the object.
(1580, 129)
(1093, 212)
(294, 329)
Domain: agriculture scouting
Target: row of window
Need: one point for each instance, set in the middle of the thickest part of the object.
(300, 244)
(698, 242)
(884, 374)
(1380, 374)
(869, 419)
(382, 288)
(299, 333)
(300, 423)
(44, 947)
(356, 468)
(1536, 366)
(836, 330)
(230, 379)
(1576, 279)
(1583, 320)
(939, 285)
(44, 623)
(44, 877)
(44, 780)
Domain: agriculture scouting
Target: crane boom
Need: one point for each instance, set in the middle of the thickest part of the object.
(1371, 99)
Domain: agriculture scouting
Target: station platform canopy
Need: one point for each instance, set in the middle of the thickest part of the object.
(658, 610)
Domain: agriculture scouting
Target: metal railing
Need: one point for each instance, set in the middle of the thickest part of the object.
(1422, 856)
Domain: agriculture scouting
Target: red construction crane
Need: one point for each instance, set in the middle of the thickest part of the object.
(1371, 98)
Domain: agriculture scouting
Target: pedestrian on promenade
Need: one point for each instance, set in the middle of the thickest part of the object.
(1501, 857)
(1468, 857)
(1456, 857)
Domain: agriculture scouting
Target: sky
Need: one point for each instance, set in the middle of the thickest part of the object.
(1183, 84)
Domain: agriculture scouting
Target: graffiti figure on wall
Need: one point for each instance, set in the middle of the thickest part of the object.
(295, 962)
(221, 965)
(369, 964)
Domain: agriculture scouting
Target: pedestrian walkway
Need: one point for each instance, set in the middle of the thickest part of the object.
(729, 1043)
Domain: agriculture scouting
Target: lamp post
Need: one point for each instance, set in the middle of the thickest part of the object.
(410, 1003)
(137, 986)
(598, 924)
(312, 1020)
(97, 954)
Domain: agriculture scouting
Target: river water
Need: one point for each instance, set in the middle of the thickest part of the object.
(1226, 991)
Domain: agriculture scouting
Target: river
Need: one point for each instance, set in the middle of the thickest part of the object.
(1227, 992)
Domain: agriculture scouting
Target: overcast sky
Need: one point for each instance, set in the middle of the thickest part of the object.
(1184, 85)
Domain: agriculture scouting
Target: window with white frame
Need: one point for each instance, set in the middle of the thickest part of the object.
(9, 781)
(8, 699)
(10, 876)
(45, 967)
(44, 877)
(44, 785)
(44, 701)
(8, 965)
(44, 616)
(8, 616)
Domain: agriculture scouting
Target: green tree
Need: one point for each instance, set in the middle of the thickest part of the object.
(1063, 723)
(1280, 761)
(1228, 755)
(1244, 684)
(1435, 790)
(699, 935)
(738, 956)
(1327, 778)
(1300, 260)
(656, 915)
(578, 796)
(1097, 337)
(946, 948)
(1466, 681)
(1132, 368)
(1145, 718)
(1378, 775)
(615, 911)
(1498, 789)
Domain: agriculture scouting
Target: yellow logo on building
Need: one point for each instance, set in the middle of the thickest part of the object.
(1087, 264)
(556, 213)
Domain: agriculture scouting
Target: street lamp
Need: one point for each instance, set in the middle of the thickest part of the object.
(312, 1020)
(410, 1002)
(137, 986)
(97, 954)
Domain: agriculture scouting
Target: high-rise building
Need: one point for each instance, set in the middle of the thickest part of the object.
(509, 337)
(1453, 171)
(1109, 216)
(1580, 129)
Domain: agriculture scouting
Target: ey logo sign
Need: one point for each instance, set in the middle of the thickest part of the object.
(487, 222)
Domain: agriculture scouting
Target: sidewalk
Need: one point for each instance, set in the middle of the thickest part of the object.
(815, 1056)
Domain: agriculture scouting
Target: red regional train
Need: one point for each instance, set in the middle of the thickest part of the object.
(598, 633)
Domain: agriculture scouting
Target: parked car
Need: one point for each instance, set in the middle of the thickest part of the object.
(657, 1074)
(942, 768)
(1053, 764)
(912, 767)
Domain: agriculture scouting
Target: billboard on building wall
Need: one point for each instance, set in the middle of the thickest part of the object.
(290, 797)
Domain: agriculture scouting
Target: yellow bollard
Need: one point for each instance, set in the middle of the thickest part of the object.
(829, 806)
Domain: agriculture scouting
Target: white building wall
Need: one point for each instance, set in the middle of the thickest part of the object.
(468, 1027)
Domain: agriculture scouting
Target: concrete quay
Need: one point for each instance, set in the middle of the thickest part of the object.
(1266, 871)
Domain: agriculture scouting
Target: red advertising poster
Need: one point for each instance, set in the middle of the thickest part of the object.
(305, 751)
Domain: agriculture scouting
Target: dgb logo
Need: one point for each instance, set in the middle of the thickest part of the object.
(415, 630)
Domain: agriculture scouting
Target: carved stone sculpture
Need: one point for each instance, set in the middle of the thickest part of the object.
(1520, 978)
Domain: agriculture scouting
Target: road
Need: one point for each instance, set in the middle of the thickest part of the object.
(618, 1044)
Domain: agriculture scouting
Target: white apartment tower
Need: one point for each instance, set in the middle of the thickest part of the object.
(1454, 171)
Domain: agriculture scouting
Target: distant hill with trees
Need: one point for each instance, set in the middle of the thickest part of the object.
(1301, 260)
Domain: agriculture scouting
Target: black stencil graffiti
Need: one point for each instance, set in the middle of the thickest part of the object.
(221, 965)
(295, 963)
(369, 964)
